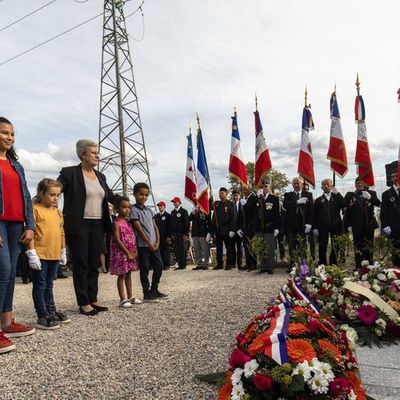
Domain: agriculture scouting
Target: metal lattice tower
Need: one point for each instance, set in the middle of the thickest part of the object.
(123, 154)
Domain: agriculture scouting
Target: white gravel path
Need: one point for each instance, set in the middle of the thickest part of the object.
(149, 352)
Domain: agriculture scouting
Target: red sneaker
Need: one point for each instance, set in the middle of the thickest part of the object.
(17, 330)
(6, 345)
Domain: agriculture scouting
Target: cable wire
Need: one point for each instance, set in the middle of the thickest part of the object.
(27, 15)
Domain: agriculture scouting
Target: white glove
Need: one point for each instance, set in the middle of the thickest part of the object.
(334, 190)
(33, 259)
(316, 233)
(208, 237)
(240, 233)
(260, 192)
(63, 259)
(350, 229)
(366, 195)
(387, 230)
(231, 234)
(243, 202)
(307, 228)
(276, 232)
(302, 200)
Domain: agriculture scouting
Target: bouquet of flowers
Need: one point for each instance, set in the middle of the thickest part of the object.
(292, 353)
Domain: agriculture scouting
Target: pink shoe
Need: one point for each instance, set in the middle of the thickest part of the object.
(6, 345)
(17, 330)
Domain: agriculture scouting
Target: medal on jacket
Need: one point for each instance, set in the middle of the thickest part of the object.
(322, 200)
(226, 209)
(268, 206)
(178, 215)
(163, 218)
(392, 199)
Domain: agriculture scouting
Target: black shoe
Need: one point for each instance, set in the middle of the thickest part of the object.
(88, 313)
(270, 272)
(149, 297)
(228, 267)
(262, 271)
(179, 268)
(204, 268)
(251, 269)
(218, 267)
(166, 268)
(47, 323)
(62, 276)
(99, 308)
(60, 317)
(197, 268)
(158, 294)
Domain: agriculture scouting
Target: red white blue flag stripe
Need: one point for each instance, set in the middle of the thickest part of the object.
(202, 176)
(237, 168)
(337, 149)
(190, 178)
(263, 160)
(359, 109)
(302, 295)
(275, 343)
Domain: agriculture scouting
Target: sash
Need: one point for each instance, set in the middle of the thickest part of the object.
(302, 295)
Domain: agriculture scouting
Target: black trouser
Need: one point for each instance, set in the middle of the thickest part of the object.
(164, 252)
(149, 258)
(85, 249)
(180, 249)
(323, 237)
(220, 239)
(363, 246)
(250, 260)
(281, 245)
(395, 238)
(107, 251)
(237, 248)
(295, 239)
(311, 241)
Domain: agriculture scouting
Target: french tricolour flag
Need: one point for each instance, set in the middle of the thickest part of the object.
(337, 149)
(263, 161)
(275, 344)
(202, 176)
(237, 168)
(363, 157)
(190, 179)
(306, 163)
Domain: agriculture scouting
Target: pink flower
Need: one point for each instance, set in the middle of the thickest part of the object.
(365, 284)
(263, 382)
(238, 358)
(339, 387)
(367, 314)
(314, 326)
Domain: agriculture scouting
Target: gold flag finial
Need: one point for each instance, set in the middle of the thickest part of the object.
(358, 83)
(234, 110)
(305, 97)
(256, 101)
(198, 121)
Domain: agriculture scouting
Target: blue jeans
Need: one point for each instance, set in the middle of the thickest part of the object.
(42, 289)
(10, 232)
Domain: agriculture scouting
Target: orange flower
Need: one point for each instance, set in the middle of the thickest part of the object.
(356, 383)
(330, 348)
(304, 311)
(226, 389)
(258, 344)
(249, 334)
(296, 329)
(300, 350)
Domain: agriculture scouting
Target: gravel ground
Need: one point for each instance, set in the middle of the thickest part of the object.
(149, 352)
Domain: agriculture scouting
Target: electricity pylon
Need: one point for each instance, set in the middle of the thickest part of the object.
(123, 154)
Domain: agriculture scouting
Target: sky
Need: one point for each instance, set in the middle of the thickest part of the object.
(207, 57)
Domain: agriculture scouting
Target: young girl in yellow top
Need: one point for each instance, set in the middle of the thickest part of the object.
(45, 252)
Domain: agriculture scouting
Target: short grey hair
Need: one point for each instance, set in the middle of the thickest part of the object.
(82, 146)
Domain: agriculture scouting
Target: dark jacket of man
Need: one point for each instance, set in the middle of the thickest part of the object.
(246, 217)
(74, 192)
(266, 215)
(224, 217)
(200, 223)
(297, 216)
(327, 212)
(162, 222)
(390, 211)
(179, 222)
(360, 212)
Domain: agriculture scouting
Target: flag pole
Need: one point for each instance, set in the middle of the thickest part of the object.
(333, 172)
(235, 114)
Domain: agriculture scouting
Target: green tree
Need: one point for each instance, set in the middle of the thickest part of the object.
(279, 180)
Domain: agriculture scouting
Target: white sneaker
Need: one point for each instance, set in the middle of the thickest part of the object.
(135, 301)
(125, 304)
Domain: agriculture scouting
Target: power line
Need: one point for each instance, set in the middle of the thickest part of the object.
(64, 33)
(27, 15)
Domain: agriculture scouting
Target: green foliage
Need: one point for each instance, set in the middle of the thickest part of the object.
(258, 248)
(342, 245)
(384, 250)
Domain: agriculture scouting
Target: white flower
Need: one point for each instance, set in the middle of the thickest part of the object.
(314, 364)
(250, 368)
(308, 279)
(344, 327)
(303, 369)
(352, 335)
(340, 299)
(326, 371)
(364, 263)
(236, 376)
(381, 322)
(378, 332)
(376, 288)
(381, 277)
(352, 395)
(237, 391)
(318, 384)
(364, 277)
(391, 275)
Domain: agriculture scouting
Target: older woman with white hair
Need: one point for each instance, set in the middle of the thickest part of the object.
(86, 219)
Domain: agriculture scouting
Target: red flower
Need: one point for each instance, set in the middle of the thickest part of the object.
(258, 344)
(263, 382)
(356, 384)
(393, 329)
(329, 280)
(367, 314)
(340, 387)
(330, 348)
(325, 292)
(238, 358)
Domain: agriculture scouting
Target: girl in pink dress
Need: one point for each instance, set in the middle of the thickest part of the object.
(123, 253)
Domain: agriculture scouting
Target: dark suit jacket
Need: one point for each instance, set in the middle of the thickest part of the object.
(179, 222)
(390, 210)
(74, 192)
(224, 217)
(266, 214)
(297, 216)
(360, 212)
(247, 215)
(162, 223)
(327, 213)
